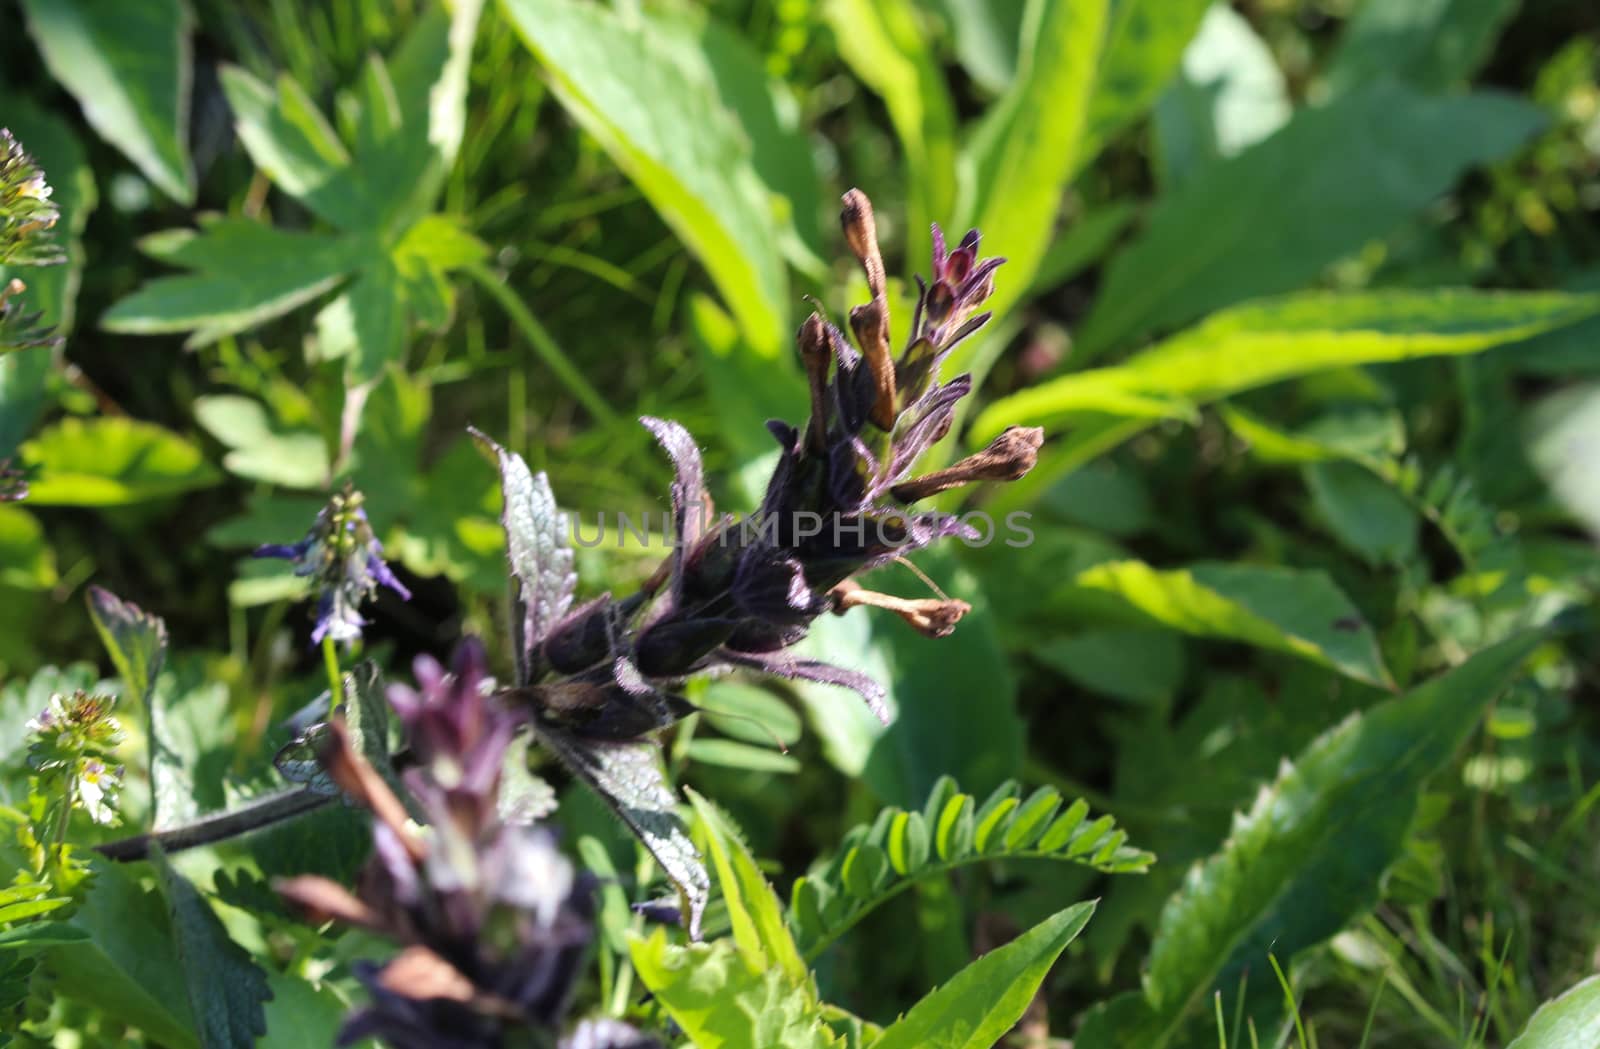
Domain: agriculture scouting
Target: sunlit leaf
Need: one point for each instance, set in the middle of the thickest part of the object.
(1270, 219)
(1284, 609)
(1570, 1021)
(111, 461)
(1307, 858)
(986, 999)
(681, 147)
(130, 68)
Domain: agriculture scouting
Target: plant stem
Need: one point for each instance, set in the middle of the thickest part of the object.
(258, 814)
(543, 344)
(330, 660)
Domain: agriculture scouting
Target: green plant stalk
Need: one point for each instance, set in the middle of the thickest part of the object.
(542, 342)
(330, 661)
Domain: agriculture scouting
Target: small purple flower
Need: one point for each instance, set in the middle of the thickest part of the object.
(345, 561)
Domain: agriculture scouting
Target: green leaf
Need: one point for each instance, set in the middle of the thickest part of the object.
(748, 712)
(130, 68)
(1140, 666)
(1433, 44)
(725, 61)
(1284, 609)
(26, 560)
(722, 1003)
(190, 741)
(986, 999)
(245, 274)
(986, 37)
(125, 966)
(1228, 95)
(1308, 857)
(1018, 163)
(1273, 217)
(226, 988)
(1258, 344)
(679, 145)
(40, 934)
(260, 449)
(293, 144)
(903, 848)
(135, 640)
(1571, 1021)
(1364, 512)
(887, 47)
(732, 754)
(299, 1015)
(1145, 41)
(112, 461)
(759, 930)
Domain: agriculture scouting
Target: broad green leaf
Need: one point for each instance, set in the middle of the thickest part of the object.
(112, 461)
(759, 930)
(1228, 95)
(986, 999)
(1308, 857)
(722, 1003)
(126, 965)
(300, 1015)
(135, 640)
(1140, 666)
(26, 560)
(226, 988)
(262, 450)
(1270, 219)
(1258, 344)
(377, 301)
(1433, 44)
(190, 739)
(1283, 609)
(293, 144)
(724, 60)
(244, 274)
(51, 290)
(1560, 436)
(679, 145)
(962, 679)
(130, 67)
(1145, 40)
(1022, 156)
(1571, 1021)
(886, 44)
(1364, 512)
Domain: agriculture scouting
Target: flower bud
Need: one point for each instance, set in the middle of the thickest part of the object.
(1008, 457)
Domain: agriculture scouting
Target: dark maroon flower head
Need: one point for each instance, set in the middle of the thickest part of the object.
(839, 503)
